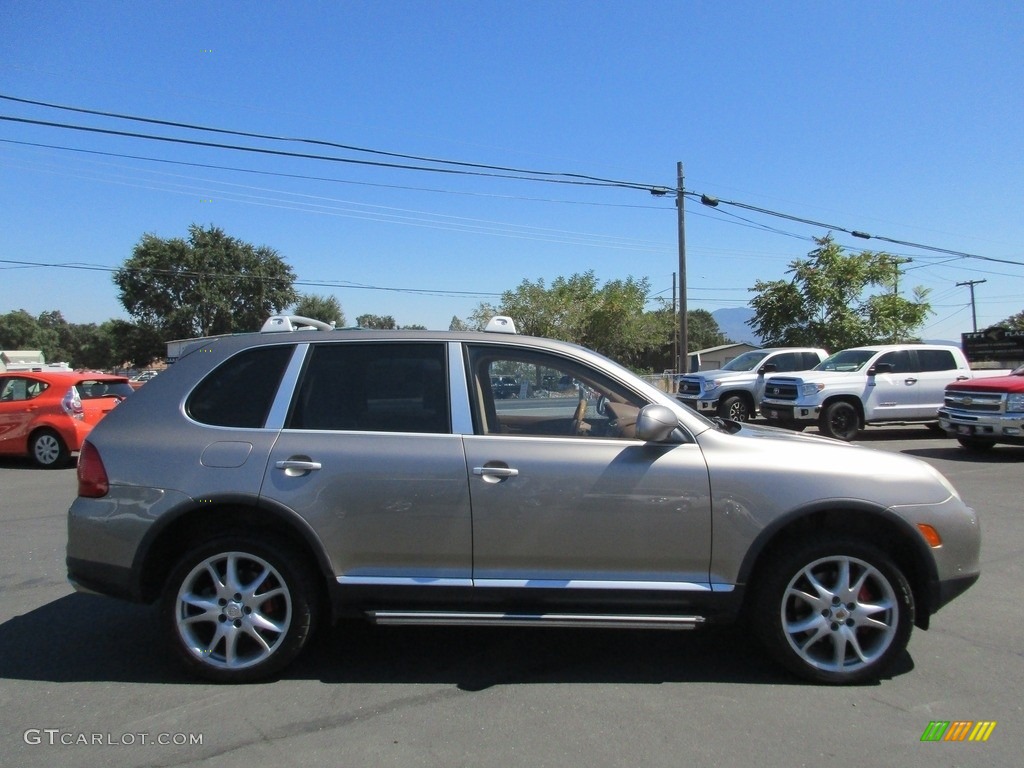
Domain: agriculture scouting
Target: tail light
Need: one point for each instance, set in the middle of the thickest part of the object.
(92, 475)
(72, 404)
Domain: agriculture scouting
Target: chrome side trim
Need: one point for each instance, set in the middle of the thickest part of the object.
(447, 581)
(657, 586)
(611, 621)
(404, 581)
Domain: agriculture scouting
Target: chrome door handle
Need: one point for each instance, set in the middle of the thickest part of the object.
(910, 381)
(497, 472)
(297, 464)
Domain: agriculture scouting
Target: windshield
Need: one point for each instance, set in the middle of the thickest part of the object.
(746, 362)
(847, 360)
(1017, 371)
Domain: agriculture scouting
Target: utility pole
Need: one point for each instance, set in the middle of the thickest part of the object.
(675, 326)
(897, 263)
(971, 284)
(683, 342)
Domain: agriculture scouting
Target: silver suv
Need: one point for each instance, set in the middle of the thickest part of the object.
(271, 481)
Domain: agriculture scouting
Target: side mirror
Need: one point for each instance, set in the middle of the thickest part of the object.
(880, 368)
(767, 368)
(655, 423)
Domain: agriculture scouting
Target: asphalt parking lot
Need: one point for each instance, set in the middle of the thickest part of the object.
(85, 681)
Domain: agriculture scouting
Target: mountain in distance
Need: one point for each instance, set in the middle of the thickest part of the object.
(732, 322)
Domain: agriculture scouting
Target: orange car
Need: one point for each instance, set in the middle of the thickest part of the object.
(47, 414)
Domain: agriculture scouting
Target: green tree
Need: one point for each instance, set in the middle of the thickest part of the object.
(325, 308)
(825, 303)
(206, 285)
(1014, 322)
(19, 330)
(458, 324)
(610, 318)
(135, 345)
(383, 322)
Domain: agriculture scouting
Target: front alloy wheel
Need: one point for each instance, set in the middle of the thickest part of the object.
(840, 420)
(835, 613)
(735, 408)
(238, 611)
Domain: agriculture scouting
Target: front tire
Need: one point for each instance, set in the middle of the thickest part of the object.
(735, 408)
(840, 420)
(976, 443)
(237, 610)
(48, 450)
(835, 611)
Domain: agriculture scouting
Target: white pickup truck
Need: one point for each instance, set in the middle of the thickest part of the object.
(876, 384)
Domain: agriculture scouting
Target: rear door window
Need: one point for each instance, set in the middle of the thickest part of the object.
(374, 387)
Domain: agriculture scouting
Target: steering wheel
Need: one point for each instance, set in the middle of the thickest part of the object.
(578, 416)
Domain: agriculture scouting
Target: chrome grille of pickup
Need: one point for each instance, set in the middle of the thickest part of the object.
(780, 391)
(689, 387)
(976, 402)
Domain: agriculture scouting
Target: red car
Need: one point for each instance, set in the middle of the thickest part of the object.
(46, 415)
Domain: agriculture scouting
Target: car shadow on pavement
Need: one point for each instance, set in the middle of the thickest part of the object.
(1000, 454)
(86, 638)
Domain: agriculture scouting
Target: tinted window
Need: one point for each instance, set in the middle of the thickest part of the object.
(398, 387)
(899, 360)
(935, 360)
(93, 389)
(239, 392)
(19, 388)
(787, 361)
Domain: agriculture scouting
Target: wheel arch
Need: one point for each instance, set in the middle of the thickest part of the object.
(875, 525)
(743, 394)
(177, 532)
(845, 398)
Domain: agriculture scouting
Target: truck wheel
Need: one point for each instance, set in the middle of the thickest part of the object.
(835, 610)
(976, 443)
(735, 408)
(840, 420)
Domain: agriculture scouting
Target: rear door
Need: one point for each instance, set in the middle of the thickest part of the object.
(368, 458)
(935, 369)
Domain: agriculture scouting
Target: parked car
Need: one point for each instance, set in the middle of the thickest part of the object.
(46, 415)
(984, 412)
(137, 381)
(268, 482)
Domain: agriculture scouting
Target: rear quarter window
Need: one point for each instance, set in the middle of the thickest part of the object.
(240, 391)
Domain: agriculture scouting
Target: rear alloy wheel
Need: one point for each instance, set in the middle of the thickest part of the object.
(837, 611)
(237, 610)
(840, 420)
(48, 450)
(734, 408)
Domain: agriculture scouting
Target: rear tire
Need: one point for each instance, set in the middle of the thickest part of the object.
(834, 611)
(237, 610)
(48, 450)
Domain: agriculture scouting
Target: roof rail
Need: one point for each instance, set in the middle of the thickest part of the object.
(285, 323)
(501, 324)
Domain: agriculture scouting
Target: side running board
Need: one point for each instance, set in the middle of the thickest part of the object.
(454, 618)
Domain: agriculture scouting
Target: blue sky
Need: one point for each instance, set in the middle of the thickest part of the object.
(903, 120)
